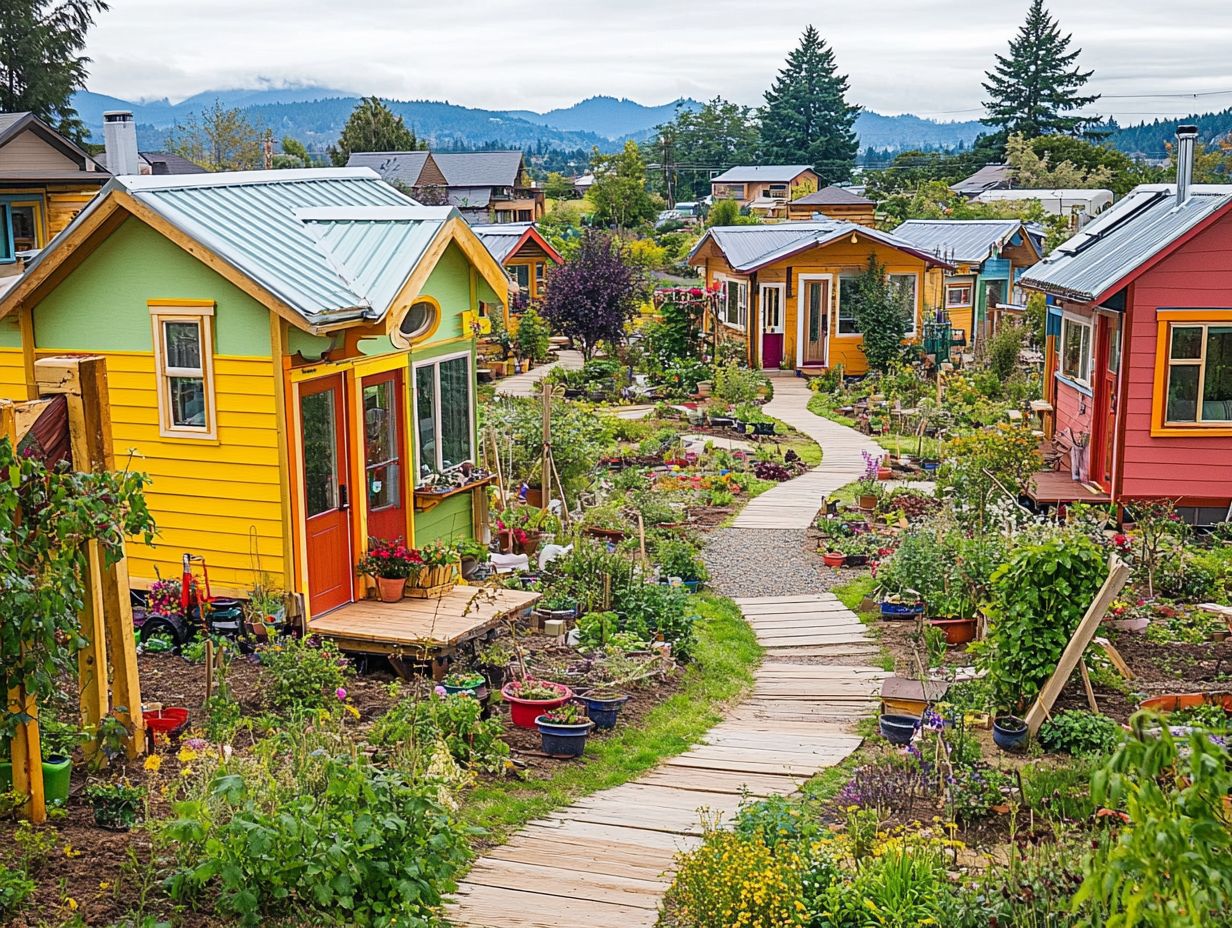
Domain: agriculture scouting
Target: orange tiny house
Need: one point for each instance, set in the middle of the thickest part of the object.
(524, 253)
(290, 353)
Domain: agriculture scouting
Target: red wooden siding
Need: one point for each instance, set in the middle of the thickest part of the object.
(1199, 274)
(1073, 412)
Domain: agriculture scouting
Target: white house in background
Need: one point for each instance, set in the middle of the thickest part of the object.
(1080, 204)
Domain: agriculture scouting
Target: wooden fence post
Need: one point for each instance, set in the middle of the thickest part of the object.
(25, 752)
(83, 382)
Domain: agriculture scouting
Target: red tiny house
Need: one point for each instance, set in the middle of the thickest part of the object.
(1150, 282)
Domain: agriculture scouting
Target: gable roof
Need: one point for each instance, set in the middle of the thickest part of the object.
(967, 241)
(162, 162)
(765, 173)
(505, 239)
(333, 245)
(403, 167)
(1125, 240)
(749, 248)
(480, 168)
(14, 124)
(832, 196)
(989, 177)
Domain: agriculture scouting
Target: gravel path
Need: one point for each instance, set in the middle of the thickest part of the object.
(767, 562)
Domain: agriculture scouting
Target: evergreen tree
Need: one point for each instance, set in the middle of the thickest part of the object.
(41, 64)
(718, 136)
(806, 119)
(373, 126)
(1034, 90)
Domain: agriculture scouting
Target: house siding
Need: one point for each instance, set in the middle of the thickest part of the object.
(1198, 275)
(219, 499)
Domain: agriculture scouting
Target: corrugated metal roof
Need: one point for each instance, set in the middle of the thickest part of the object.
(1123, 239)
(970, 241)
(480, 168)
(403, 167)
(832, 196)
(502, 238)
(766, 173)
(748, 248)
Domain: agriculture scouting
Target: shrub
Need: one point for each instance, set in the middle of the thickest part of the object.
(1038, 598)
(415, 726)
(1003, 349)
(882, 315)
(15, 888)
(975, 464)
(678, 558)
(532, 336)
(1074, 731)
(307, 673)
(734, 384)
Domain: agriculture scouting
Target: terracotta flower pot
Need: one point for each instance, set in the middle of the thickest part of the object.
(390, 589)
(834, 558)
(957, 631)
(868, 501)
(884, 473)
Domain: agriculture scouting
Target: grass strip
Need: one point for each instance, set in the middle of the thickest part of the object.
(720, 674)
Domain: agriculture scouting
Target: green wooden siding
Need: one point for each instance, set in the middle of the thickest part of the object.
(103, 304)
(448, 521)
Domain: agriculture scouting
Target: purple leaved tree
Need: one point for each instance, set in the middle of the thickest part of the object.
(592, 297)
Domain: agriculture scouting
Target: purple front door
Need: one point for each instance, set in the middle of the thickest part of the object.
(771, 325)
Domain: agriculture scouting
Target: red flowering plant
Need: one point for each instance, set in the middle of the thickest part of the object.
(165, 597)
(390, 560)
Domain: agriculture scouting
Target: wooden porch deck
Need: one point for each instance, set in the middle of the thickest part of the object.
(418, 629)
(1050, 487)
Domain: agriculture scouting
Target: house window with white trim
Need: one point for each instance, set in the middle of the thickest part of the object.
(1076, 350)
(443, 427)
(904, 286)
(848, 287)
(957, 296)
(1199, 374)
(735, 308)
(184, 361)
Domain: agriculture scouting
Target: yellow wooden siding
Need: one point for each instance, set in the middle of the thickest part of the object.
(12, 375)
(64, 205)
(219, 499)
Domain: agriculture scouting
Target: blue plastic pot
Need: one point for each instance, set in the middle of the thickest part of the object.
(898, 729)
(901, 610)
(603, 711)
(1009, 732)
(563, 740)
(930, 466)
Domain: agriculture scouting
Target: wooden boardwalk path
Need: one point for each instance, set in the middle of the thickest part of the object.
(527, 384)
(604, 862)
(795, 503)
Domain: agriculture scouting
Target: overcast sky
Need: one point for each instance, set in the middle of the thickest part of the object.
(919, 56)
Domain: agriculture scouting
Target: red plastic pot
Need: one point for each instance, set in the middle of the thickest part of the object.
(834, 558)
(1171, 702)
(523, 712)
(167, 720)
(957, 631)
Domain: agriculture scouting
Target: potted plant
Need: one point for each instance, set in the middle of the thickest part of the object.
(266, 610)
(898, 729)
(564, 730)
(439, 571)
(530, 698)
(494, 661)
(472, 553)
(900, 606)
(834, 558)
(464, 681)
(116, 805)
(556, 605)
(390, 564)
(1009, 732)
(58, 741)
(603, 707)
(957, 631)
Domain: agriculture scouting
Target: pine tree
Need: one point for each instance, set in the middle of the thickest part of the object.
(1034, 89)
(806, 119)
(41, 64)
(373, 126)
(698, 142)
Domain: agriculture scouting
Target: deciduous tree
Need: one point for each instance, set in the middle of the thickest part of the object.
(806, 119)
(1035, 88)
(373, 126)
(218, 139)
(41, 60)
(593, 296)
(882, 316)
(620, 194)
(697, 142)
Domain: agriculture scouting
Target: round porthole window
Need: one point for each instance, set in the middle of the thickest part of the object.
(418, 320)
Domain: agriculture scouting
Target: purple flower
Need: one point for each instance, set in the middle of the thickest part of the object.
(440, 691)
(341, 693)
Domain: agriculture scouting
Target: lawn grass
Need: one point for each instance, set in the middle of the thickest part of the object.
(851, 595)
(916, 446)
(721, 673)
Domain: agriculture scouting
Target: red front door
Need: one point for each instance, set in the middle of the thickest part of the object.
(1103, 426)
(384, 451)
(322, 409)
(771, 325)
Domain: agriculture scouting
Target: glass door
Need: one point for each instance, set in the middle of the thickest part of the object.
(327, 506)
(384, 450)
(815, 295)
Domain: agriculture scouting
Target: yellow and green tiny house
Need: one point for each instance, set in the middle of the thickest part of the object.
(289, 354)
(783, 288)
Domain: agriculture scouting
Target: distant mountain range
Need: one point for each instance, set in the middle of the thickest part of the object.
(315, 116)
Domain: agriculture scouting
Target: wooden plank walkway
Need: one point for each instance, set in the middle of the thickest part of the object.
(605, 861)
(527, 384)
(794, 504)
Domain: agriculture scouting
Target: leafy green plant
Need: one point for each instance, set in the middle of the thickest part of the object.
(571, 713)
(412, 729)
(677, 558)
(596, 629)
(306, 673)
(532, 336)
(735, 385)
(15, 889)
(988, 464)
(1074, 731)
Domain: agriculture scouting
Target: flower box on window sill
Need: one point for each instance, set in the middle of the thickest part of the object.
(428, 497)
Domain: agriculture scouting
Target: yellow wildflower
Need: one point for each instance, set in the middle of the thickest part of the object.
(153, 762)
(70, 851)
(187, 755)
(352, 711)
(72, 904)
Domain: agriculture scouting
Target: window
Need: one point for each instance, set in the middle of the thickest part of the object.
(904, 286)
(729, 192)
(848, 285)
(994, 293)
(381, 452)
(735, 308)
(521, 274)
(958, 295)
(1076, 350)
(539, 272)
(6, 240)
(184, 358)
(777, 191)
(1199, 374)
(772, 309)
(442, 415)
(416, 322)
(24, 219)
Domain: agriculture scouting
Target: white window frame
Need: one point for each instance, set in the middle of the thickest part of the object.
(742, 303)
(728, 191)
(1087, 357)
(201, 315)
(910, 331)
(964, 303)
(470, 410)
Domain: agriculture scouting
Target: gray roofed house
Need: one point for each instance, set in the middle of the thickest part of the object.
(967, 241)
(989, 177)
(764, 188)
(748, 248)
(161, 163)
(402, 167)
(834, 203)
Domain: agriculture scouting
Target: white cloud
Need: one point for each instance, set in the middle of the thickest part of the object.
(923, 56)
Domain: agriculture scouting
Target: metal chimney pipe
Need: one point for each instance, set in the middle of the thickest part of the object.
(120, 142)
(1186, 137)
